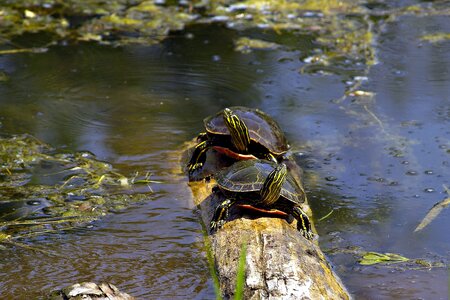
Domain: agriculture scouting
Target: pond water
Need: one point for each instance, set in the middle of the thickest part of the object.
(378, 163)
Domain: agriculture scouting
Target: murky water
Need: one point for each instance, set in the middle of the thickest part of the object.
(378, 163)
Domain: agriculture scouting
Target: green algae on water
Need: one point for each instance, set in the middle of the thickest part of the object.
(42, 190)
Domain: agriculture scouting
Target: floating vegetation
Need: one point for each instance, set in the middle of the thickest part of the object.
(121, 22)
(343, 29)
(436, 37)
(390, 260)
(387, 259)
(246, 45)
(372, 258)
(43, 191)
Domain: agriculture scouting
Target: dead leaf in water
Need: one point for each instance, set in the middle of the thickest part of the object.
(372, 258)
(434, 211)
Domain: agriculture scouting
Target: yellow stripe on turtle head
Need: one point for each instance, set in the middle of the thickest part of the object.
(240, 136)
(270, 192)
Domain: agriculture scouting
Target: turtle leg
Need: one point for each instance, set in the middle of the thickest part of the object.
(202, 136)
(198, 157)
(221, 214)
(303, 223)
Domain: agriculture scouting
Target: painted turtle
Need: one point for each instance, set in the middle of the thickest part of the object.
(241, 133)
(265, 186)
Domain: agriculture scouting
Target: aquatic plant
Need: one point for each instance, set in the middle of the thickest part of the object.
(44, 191)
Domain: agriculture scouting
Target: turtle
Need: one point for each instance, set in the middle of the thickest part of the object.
(241, 133)
(262, 185)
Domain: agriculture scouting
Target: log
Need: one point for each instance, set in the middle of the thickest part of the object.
(89, 291)
(280, 262)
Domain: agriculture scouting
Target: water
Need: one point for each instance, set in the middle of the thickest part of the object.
(370, 161)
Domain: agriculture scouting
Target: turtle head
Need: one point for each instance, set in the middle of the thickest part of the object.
(270, 192)
(238, 130)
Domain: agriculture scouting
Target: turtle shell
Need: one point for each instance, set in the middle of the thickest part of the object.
(261, 127)
(247, 176)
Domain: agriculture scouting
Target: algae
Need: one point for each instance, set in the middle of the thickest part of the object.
(42, 190)
(343, 26)
(436, 37)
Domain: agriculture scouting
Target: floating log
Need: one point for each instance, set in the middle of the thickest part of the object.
(280, 262)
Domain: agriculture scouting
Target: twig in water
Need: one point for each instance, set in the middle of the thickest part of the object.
(327, 215)
(434, 211)
(374, 116)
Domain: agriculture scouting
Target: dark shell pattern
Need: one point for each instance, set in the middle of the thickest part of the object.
(249, 176)
(262, 128)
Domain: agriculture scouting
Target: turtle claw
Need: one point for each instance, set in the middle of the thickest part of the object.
(198, 157)
(213, 226)
(308, 234)
(305, 230)
(220, 215)
(216, 225)
(303, 223)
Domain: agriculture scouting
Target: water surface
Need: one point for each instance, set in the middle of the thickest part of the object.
(379, 163)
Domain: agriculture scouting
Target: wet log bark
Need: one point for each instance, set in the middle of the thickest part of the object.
(280, 262)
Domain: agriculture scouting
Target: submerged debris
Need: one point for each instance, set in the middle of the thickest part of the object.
(90, 291)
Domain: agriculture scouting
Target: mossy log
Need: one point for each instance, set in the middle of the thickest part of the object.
(280, 262)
